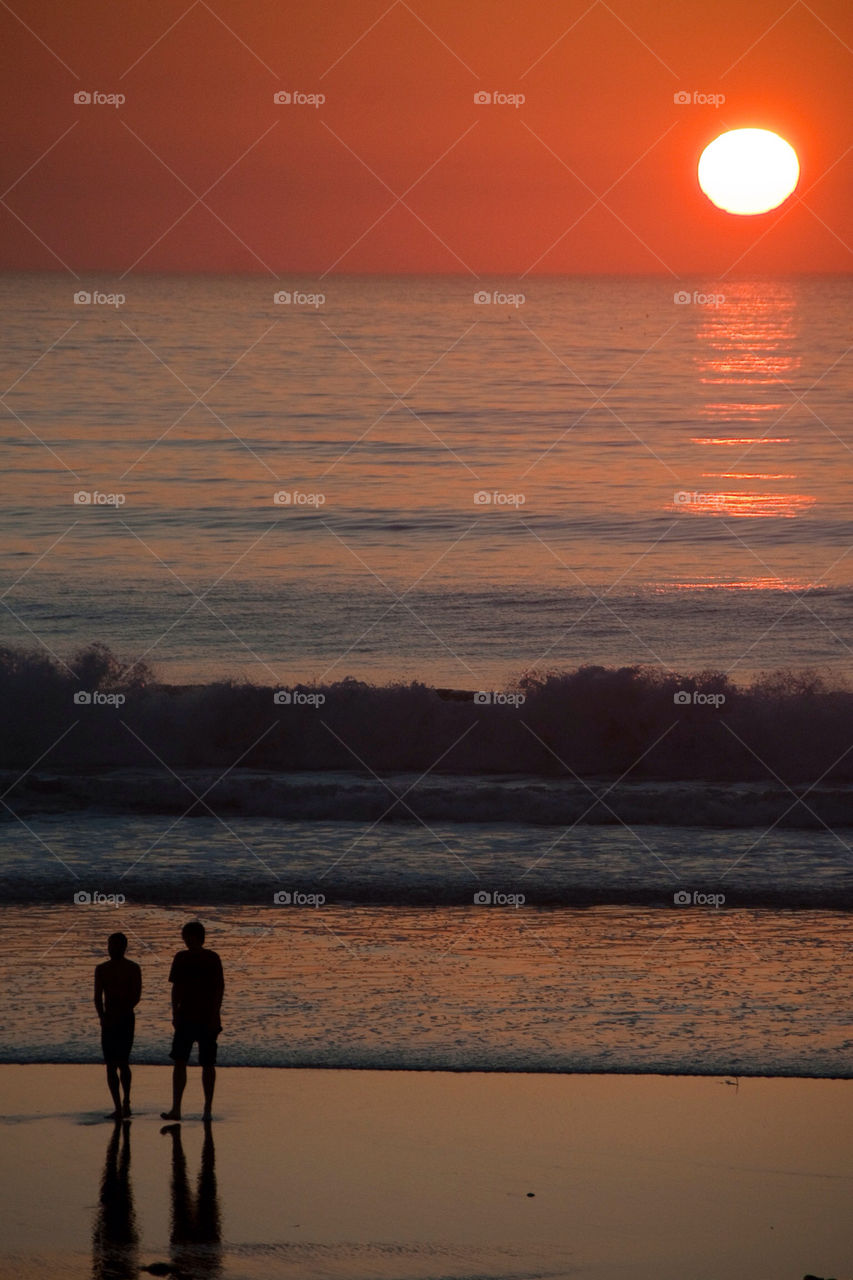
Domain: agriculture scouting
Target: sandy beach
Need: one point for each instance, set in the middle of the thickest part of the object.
(416, 1175)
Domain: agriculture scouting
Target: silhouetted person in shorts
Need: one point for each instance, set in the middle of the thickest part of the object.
(118, 986)
(197, 989)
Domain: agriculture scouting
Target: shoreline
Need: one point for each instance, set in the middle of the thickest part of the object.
(637, 1072)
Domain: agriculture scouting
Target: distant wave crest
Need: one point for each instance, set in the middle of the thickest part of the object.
(98, 712)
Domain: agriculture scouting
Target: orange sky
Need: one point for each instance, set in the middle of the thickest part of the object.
(491, 188)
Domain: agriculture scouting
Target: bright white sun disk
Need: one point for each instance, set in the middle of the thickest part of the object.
(748, 171)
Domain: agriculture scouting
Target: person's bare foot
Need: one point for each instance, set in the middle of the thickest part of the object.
(171, 1115)
(114, 1115)
(125, 1110)
(206, 1117)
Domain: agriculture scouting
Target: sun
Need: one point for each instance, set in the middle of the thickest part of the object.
(748, 171)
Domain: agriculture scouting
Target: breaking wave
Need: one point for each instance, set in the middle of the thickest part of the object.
(636, 723)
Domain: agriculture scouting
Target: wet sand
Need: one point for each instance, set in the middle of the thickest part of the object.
(414, 1175)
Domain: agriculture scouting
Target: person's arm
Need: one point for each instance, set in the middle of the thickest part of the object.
(220, 985)
(176, 997)
(136, 992)
(99, 992)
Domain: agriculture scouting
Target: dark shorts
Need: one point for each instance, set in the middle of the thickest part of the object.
(186, 1034)
(117, 1038)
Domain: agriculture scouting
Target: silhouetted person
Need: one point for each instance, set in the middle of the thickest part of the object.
(115, 1238)
(118, 986)
(197, 989)
(196, 1235)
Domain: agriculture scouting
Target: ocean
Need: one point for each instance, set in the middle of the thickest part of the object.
(599, 474)
(503, 633)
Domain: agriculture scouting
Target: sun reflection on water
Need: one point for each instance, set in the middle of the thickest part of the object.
(747, 342)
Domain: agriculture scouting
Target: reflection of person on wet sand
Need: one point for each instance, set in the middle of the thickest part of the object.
(115, 1239)
(197, 990)
(196, 1236)
(118, 986)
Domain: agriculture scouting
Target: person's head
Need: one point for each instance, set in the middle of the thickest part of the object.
(193, 934)
(116, 945)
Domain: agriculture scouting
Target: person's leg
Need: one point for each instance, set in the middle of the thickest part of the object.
(112, 1084)
(182, 1044)
(126, 1076)
(179, 1083)
(207, 1061)
(208, 1084)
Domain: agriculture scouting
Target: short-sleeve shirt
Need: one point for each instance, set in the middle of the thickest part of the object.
(199, 984)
